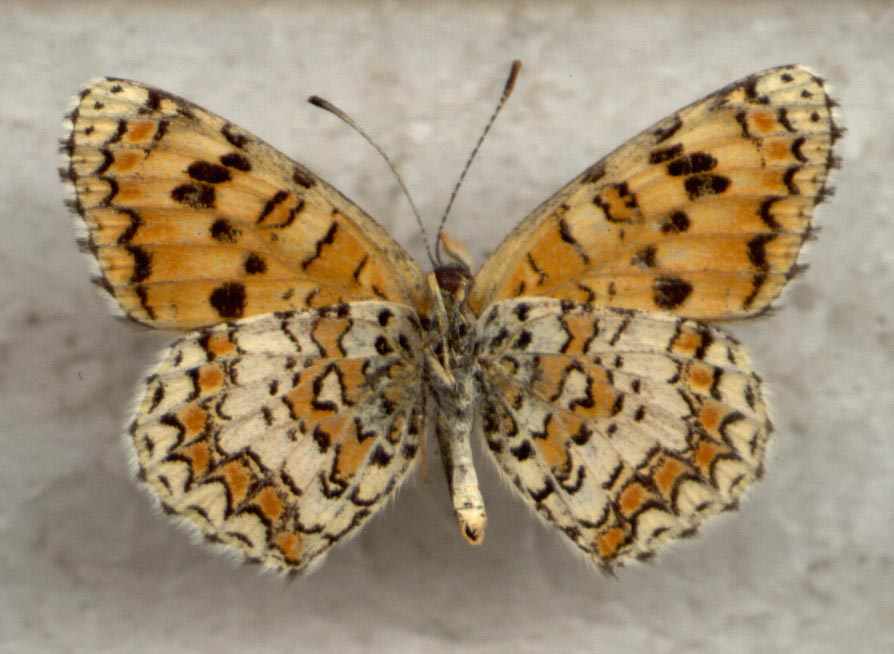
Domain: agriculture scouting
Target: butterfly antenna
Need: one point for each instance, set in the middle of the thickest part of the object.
(331, 108)
(507, 91)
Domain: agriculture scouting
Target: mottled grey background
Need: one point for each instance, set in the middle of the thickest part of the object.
(86, 566)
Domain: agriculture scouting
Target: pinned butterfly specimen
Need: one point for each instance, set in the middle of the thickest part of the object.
(315, 352)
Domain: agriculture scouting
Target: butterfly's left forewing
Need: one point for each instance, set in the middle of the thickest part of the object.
(192, 220)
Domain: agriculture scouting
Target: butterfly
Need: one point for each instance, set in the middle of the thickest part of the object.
(316, 354)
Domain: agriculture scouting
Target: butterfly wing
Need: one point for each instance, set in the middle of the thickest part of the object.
(624, 429)
(194, 221)
(702, 214)
(279, 435)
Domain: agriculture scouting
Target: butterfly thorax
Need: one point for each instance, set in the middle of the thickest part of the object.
(455, 386)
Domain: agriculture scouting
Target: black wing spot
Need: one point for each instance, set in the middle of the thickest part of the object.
(383, 347)
(229, 300)
(255, 265)
(236, 161)
(698, 186)
(644, 257)
(797, 144)
(380, 457)
(223, 231)
(664, 133)
(303, 177)
(204, 171)
(523, 341)
(660, 155)
(235, 139)
(675, 223)
(767, 216)
(196, 195)
(523, 451)
(384, 316)
(594, 173)
(697, 162)
(671, 292)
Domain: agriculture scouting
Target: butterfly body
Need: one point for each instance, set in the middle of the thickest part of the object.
(315, 353)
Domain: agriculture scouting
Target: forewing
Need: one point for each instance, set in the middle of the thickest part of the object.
(193, 220)
(623, 429)
(702, 214)
(279, 435)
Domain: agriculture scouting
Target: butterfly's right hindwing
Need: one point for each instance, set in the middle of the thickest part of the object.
(623, 429)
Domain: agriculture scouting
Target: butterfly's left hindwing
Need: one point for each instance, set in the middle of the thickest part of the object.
(280, 435)
(623, 429)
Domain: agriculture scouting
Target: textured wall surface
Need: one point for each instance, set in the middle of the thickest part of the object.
(807, 565)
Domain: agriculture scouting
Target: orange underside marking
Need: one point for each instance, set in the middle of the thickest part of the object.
(553, 449)
(776, 150)
(352, 453)
(604, 395)
(556, 257)
(130, 191)
(710, 415)
(290, 546)
(327, 332)
(581, 329)
(270, 504)
(617, 204)
(706, 453)
(666, 475)
(300, 400)
(550, 375)
(554, 371)
(139, 131)
(220, 345)
(211, 378)
(193, 419)
(200, 456)
(353, 379)
(687, 343)
(126, 160)
(700, 376)
(610, 542)
(764, 121)
(237, 477)
(632, 498)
